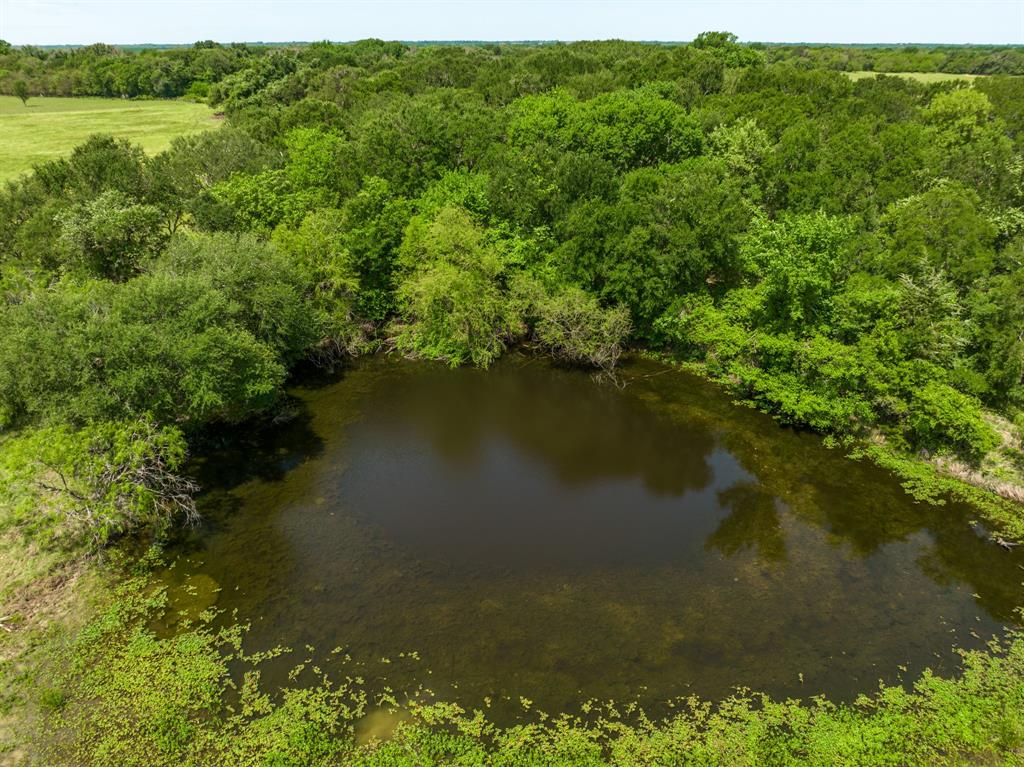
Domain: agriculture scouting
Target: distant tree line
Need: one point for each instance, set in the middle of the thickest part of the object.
(154, 72)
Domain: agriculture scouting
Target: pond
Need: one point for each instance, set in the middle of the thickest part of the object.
(527, 531)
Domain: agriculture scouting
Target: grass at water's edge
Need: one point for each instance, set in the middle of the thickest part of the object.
(45, 598)
(127, 697)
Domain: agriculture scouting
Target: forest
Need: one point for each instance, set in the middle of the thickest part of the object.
(847, 256)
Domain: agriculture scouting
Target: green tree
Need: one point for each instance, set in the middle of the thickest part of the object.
(931, 317)
(102, 164)
(942, 227)
(573, 327)
(318, 248)
(451, 304)
(111, 236)
(266, 289)
(798, 264)
(673, 229)
(90, 485)
(172, 347)
(20, 89)
(193, 164)
(320, 161)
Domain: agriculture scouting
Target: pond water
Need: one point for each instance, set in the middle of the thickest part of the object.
(528, 531)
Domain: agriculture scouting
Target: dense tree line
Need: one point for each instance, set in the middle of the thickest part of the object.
(194, 71)
(847, 255)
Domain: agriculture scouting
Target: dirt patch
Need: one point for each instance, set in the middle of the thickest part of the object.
(46, 600)
(35, 606)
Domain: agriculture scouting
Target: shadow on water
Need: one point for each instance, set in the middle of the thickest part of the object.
(526, 531)
(753, 522)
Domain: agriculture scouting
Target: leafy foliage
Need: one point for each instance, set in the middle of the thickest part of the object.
(574, 328)
(206, 334)
(451, 305)
(110, 237)
(90, 485)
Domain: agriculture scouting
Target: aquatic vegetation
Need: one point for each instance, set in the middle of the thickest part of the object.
(131, 699)
(561, 539)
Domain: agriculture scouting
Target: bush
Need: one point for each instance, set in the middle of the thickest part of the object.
(173, 347)
(90, 485)
(111, 237)
(941, 416)
(573, 327)
(451, 305)
(317, 246)
(267, 289)
(454, 314)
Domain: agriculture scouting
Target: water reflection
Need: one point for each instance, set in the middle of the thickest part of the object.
(530, 532)
(753, 522)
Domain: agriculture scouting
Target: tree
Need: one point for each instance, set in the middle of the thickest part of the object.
(319, 161)
(997, 310)
(451, 306)
(318, 248)
(714, 40)
(111, 236)
(970, 146)
(93, 484)
(207, 334)
(573, 327)
(797, 261)
(105, 163)
(944, 228)
(627, 128)
(267, 290)
(21, 91)
(673, 229)
(930, 316)
(195, 163)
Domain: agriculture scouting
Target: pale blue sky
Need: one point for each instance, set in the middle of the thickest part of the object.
(175, 21)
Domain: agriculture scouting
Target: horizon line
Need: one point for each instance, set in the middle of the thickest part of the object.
(523, 41)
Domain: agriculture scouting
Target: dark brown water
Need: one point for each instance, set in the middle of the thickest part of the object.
(526, 531)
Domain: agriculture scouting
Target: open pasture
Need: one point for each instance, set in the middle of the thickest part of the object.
(921, 77)
(47, 128)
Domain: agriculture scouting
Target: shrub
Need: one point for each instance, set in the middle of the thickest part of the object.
(173, 347)
(574, 328)
(90, 485)
(451, 304)
(111, 236)
(941, 416)
(455, 314)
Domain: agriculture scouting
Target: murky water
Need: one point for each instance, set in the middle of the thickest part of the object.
(526, 531)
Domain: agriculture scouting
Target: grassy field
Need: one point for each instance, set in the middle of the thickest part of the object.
(921, 77)
(47, 128)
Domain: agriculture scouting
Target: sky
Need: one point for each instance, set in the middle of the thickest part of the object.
(43, 22)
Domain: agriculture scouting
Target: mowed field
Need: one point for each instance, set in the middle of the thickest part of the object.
(47, 128)
(921, 77)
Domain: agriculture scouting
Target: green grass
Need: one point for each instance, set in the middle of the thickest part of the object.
(48, 128)
(921, 77)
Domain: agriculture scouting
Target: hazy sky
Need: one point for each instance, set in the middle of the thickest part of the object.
(175, 21)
